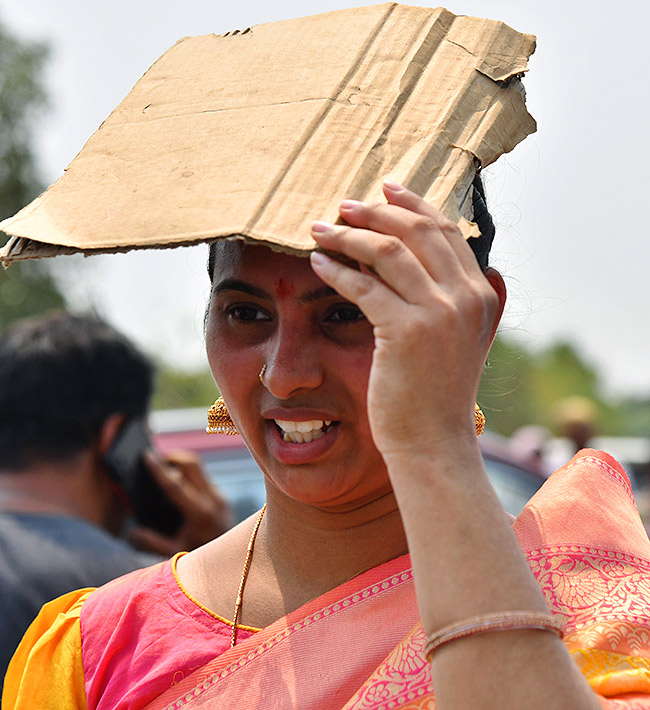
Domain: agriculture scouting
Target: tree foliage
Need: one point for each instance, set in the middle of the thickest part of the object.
(176, 390)
(26, 288)
(523, 387)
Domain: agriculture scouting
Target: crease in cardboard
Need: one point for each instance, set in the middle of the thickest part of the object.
(320, 117)
(412, 74)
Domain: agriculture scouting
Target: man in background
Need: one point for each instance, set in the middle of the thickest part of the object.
(68, 384)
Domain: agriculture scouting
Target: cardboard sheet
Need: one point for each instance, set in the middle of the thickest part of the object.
(257, 133)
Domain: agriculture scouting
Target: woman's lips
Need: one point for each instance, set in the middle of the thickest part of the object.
(318, 436)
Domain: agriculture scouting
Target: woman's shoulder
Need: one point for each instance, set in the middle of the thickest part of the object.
(585, 542)
(142, 633)
(121, 645)
(53, 641)
(123, 592)
(589, 501)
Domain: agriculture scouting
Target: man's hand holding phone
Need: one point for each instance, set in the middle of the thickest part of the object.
(205, 513)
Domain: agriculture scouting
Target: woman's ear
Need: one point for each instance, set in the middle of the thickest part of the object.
(499, 286)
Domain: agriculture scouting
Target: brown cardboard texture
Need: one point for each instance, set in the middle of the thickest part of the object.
(257, 133)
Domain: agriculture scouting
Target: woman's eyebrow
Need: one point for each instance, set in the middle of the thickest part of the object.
(237, 285)
(232, 284)
(317, 294)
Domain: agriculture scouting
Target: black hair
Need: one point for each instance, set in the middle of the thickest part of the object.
(481, 246)
(61, 377)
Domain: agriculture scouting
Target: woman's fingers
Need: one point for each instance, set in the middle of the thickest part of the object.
(421, 235)
(437, 242)
(398, 195)
(386, 255)
(430, 306)
(374, 298)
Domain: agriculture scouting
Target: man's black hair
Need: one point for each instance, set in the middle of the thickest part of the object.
(61, 377)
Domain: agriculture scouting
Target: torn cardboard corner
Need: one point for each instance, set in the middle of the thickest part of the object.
(256, 134)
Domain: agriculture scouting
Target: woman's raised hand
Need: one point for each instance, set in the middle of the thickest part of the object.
(433, 313)
(432, 310)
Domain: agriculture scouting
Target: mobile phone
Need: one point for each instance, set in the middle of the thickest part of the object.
(125, 463)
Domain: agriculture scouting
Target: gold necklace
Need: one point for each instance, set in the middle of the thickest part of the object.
(244, 574)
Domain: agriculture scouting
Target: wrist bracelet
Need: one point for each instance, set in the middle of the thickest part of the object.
(499, 621)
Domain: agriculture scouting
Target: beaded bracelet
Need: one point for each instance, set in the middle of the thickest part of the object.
(499, 621)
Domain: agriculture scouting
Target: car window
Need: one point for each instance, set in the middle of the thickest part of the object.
(514, 486)
(239, 479)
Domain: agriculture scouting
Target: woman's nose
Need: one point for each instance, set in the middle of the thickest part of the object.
(293, 365)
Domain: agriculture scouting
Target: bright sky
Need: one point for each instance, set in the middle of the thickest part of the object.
(570, 203)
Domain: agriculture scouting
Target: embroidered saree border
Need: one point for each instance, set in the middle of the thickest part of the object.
(586, 584)
(359, 591)
(403, 680)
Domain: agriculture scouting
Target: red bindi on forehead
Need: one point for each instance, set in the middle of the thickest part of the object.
(284, 289)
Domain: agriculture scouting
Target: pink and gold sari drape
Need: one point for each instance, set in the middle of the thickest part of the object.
(360, 646)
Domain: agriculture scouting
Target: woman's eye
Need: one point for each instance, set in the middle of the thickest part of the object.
(246, 314)
(345, 314)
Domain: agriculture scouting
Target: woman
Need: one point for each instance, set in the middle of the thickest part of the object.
(354, 389)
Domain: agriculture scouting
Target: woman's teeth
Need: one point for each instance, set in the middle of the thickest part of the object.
(302, 432)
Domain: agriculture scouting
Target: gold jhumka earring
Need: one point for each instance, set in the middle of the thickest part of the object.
(479, 420)
(219, 421)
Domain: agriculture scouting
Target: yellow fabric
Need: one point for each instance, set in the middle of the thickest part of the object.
(611, 674)
(46, 670)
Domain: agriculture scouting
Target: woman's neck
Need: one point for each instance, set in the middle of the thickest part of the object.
(309, 551)
(300, 553)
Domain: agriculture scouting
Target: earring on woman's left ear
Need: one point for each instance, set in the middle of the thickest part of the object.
(219, 421)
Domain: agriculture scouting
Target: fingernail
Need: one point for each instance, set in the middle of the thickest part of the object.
(393, 186)
(318, 258)
(349, 204)
(322, 228)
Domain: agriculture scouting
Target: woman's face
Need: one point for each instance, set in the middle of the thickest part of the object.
(270, 308)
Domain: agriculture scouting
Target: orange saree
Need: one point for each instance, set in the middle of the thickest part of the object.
(588, 550)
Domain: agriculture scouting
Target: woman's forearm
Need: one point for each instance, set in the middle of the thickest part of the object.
(467, 562)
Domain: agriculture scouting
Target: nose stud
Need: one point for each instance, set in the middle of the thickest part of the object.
(262, 371)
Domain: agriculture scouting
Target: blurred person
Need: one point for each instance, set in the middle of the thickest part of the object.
(576, 419)
(574, 422)
(529, 444)
(68, 384)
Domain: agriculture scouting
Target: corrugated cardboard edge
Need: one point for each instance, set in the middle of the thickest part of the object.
(22, 249)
